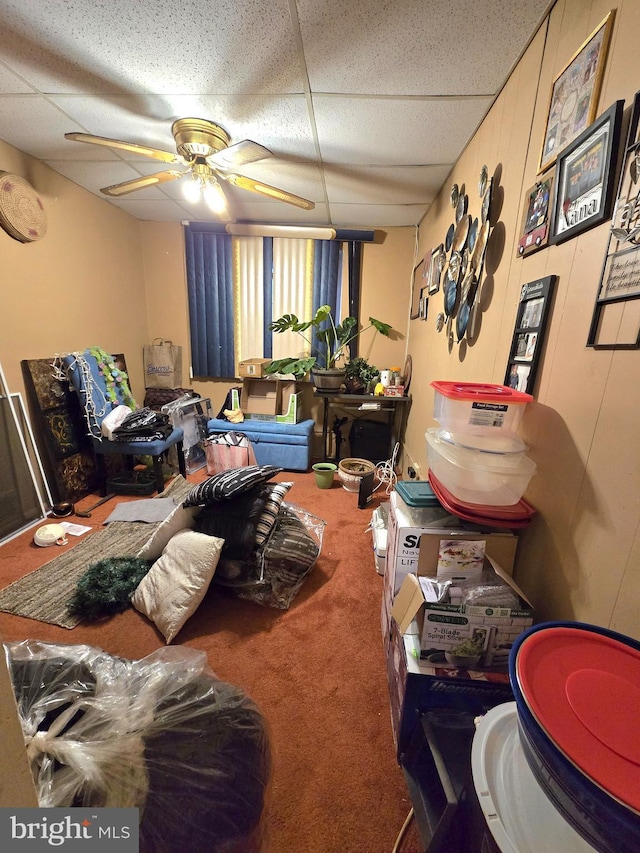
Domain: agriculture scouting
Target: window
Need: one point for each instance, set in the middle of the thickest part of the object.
(238, 285)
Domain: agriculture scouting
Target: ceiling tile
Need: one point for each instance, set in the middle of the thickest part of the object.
(373, 216)
(384, 184)
(414, 48)
(161, 47)
(402, 132)
(152, 211)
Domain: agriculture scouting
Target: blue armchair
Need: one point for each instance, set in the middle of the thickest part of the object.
(101, 386)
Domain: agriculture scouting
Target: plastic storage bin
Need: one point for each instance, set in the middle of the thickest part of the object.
(478, 409)
(479, 476)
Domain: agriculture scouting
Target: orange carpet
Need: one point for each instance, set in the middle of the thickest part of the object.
(317, 672)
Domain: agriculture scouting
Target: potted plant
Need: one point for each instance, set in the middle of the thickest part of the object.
(333, 340)
(359, 375)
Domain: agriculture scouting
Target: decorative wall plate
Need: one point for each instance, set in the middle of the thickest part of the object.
(473, 233)
(461, 233)
(486, 203)
(22, 214)
(462, 320)
(461, 207)
(450, 298)
(448, 240)
(482, 182)
(479, 249)
(454, 195)
(455, 266)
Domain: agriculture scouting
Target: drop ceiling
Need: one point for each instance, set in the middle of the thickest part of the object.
(364, 105)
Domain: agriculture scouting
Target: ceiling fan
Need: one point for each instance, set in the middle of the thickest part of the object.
(203, 147)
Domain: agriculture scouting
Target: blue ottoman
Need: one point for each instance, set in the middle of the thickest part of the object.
(286, 445)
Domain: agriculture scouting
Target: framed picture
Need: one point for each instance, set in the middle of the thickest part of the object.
(528, 335)
(575, 92)
(616, 325)
(424, 303)
(437, 262)
(585, 176)
(536, 216)
(416, 288)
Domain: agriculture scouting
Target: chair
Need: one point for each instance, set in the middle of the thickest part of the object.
(101, 384)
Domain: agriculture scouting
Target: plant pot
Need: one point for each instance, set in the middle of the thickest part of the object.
(351, 471)
(354, 386)
(323, 472)
(325, 379)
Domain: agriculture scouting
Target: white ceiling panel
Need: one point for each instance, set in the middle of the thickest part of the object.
(385, 184)
(120, 47)
(404, 132)
(369, 215)
(365, 106)
(410, 47)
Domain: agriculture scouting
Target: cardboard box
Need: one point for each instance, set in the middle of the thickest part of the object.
(442, 627)
(276, 400)
(407, 525)
(253, 367)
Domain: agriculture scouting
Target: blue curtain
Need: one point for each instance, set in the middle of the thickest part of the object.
(327, 266)
(210, 291)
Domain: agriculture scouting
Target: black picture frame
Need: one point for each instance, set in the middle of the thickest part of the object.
(417, 284)
(528, 334)
(620, 276)
(586, 176)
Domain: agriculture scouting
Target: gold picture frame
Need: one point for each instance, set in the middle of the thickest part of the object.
(574, 96)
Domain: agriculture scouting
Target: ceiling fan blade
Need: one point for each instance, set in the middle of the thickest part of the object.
(243, 152)
(155, 153)
(140, 183)
(271, 192)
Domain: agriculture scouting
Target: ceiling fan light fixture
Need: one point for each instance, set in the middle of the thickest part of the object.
(213, 196)
(191, 189)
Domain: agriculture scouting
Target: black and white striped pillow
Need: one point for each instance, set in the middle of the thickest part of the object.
(271, 509)
(229, 484)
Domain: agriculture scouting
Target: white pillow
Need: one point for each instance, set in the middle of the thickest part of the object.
(176, 583)
(182, 518)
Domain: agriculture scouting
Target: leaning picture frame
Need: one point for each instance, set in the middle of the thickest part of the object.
(586, 172)
(574, 95)
(437, 264)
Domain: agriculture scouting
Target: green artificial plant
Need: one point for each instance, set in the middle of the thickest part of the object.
(333, 339)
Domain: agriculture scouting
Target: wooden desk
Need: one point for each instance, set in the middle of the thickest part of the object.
(394, 409)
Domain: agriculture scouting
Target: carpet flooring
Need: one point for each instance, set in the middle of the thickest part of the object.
(317, 672)
(44, 593)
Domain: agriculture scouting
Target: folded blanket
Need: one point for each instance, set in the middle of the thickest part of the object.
(149, 511)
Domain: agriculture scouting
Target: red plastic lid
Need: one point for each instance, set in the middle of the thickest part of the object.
(477, 391)
(522, 511)
(583, 689)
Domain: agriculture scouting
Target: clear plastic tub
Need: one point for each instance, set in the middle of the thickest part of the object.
(477, 408)
(478, 476)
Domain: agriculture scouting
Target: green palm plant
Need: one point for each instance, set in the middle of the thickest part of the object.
(333, 339)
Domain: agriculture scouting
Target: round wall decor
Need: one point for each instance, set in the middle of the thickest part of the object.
(22, 214)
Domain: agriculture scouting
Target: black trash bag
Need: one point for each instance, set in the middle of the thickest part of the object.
(162, 734)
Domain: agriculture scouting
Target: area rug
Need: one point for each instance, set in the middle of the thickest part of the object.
(43, 594)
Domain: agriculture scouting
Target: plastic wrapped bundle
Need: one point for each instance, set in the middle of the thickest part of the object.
(162, 734)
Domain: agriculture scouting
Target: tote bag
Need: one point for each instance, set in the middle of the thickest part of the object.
(162, 364)
(229, 450)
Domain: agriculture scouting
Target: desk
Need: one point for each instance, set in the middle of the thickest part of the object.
(392, 407)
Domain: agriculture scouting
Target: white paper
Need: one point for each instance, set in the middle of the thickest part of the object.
(74, 529)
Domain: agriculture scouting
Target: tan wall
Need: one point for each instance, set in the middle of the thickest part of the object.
(580, 557)
(386, 270)
(81, 285)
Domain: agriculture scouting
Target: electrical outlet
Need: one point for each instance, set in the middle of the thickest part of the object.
(416, 468)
